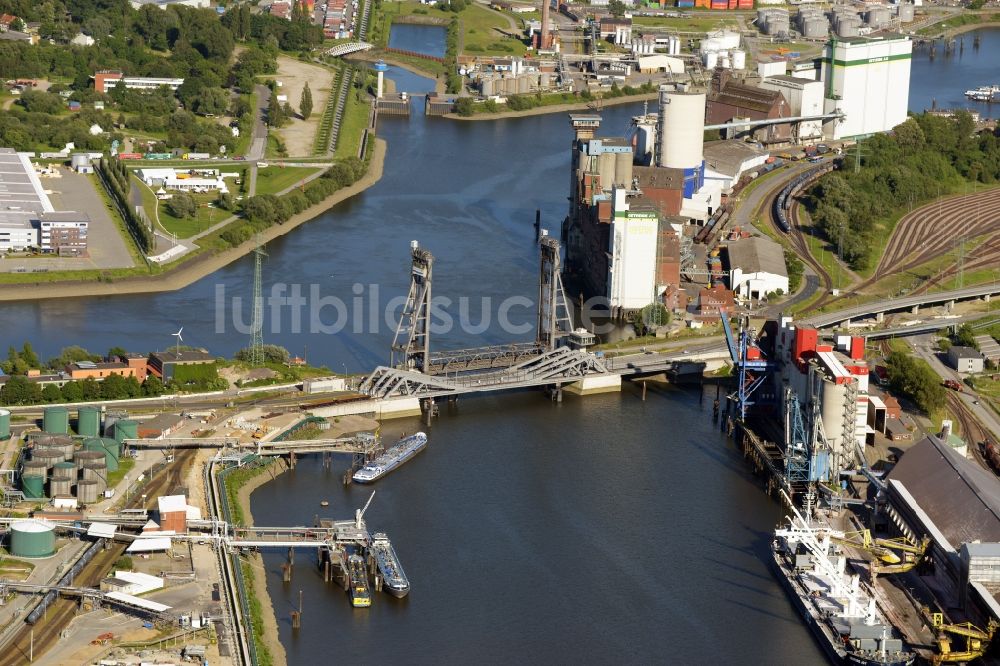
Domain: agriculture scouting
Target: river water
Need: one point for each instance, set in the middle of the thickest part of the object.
(944, 79)
(599, 529)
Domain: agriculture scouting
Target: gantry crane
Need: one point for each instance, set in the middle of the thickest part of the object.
(913, 554)
(977, 640)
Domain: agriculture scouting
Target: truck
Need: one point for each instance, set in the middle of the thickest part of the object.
(197, 156)
(952, 384)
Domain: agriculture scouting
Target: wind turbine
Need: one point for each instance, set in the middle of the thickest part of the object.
(179, 340)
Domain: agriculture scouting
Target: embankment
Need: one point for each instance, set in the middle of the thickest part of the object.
(201, 266)
(557, 108)
(258, 584)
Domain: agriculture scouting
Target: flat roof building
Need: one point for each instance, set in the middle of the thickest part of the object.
(756, 267)
(105, 81)
(163, 364)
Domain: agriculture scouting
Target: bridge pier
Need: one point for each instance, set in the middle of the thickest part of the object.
(596, 384)
(949, 306)
(915, 309)
(880, 317)
(986, 298)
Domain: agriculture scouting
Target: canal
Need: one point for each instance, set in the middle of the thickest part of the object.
(592, 530)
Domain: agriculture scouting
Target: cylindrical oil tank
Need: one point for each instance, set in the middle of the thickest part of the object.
(523, 85)
(48, 455)
(78, 160)
(82, 458)
(32, 538)
(110, 418)
(94, 471)
(905, 12)
(64, 470)
(815, 28)
(606, 169)
(739, 59)
(126, 429)
(108, 447)
(33, 486)
(725, 62)
(848, 29)
(487, 86)
(87, 492)
(4, 423)
(89, 422)
(623, 169)
(61, 487)
(878, 16)
(55, 420)
(682, 129)
(711, 59)
(777, 25)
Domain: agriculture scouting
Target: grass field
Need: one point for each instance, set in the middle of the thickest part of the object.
(480, 34)
(352, 125)
(205, 217)
(685, 24)
(274, 179)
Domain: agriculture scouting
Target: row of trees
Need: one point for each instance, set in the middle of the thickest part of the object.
(19, 390)
(263, 211)
(925, 157)
(115, 177)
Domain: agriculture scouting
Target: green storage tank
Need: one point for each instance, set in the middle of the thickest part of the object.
(4, 424)
(89, 422)
(55, 420)
(126, 429)
(33, 486)
(32, 538)
(108, 447)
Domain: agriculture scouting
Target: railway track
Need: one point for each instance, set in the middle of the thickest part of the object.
(35, 640)
(969, 428)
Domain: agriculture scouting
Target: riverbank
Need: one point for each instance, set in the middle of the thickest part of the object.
(557, 108)
(389, 59)
(200, 266)
(269, 619)
(962, 29)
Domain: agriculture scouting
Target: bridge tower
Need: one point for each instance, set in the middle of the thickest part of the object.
(554, 317)
(411, 346)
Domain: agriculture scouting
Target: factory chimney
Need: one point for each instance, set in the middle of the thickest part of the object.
(544, 40)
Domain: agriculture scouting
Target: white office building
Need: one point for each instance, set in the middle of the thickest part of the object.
(868, 79)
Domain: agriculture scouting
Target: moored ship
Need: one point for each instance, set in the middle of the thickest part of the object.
(361, 596)
(839, 609)
(395, 456)
(393, 577)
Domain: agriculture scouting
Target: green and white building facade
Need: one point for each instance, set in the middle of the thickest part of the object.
(868, 79)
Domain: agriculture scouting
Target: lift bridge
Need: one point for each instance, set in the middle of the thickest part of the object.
(414, 370)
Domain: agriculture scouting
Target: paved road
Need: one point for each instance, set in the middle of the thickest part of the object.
(892, 304)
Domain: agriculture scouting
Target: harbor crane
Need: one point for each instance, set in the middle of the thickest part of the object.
(977, 640)
(752, 369)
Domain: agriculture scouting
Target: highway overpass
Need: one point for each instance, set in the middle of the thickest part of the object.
(911, 303)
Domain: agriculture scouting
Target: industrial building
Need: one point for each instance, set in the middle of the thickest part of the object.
(164, 364)
(757, 268)
(804, 97)
(934, 491)
(868, 79)
(183, 180)
(106, 80)
(730, 100)
(27, 217)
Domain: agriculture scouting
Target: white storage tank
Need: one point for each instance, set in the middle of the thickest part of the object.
(815, 28)
(739, 59)
(710, 59)
(905, 12)
(878, 16)
(682, 129)
(725, 62)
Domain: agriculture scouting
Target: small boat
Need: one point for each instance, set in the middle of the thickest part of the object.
(395, 456)
(983, 93)
(324, 503)
(361, 596)
(393, 576)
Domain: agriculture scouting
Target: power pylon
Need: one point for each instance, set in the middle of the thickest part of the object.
(257, 327)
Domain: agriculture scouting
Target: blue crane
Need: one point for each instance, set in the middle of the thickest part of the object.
(752, 369)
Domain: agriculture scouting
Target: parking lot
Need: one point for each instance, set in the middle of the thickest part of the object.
(106, 246)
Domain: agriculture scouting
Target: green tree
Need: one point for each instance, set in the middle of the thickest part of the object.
(117, 352)
(91, 389)
(464, 106)
(72, 392)
(114, 387)
(275, 113)
(182, 205)
(306, 103)
(211, 102)
(153, 386)
(51, 393)
(16, 391)
(616, 7)
(966, 337)
(29, 356)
